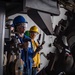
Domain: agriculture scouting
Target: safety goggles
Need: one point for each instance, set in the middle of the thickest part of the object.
(23, 25)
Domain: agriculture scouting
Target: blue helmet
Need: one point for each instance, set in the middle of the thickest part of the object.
(19, 19)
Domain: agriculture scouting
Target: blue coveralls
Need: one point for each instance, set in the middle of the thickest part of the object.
(26, 56)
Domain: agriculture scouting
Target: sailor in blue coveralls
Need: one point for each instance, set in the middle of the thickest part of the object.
(19, 23)
(24, 44)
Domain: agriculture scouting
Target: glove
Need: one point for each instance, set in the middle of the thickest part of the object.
(25, 45)
(38, 69)
(39, 48)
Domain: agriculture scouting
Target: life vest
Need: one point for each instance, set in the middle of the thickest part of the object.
(36, 58)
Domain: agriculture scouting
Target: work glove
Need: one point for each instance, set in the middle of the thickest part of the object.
(39, 48)
(38, 69)
(25, 45)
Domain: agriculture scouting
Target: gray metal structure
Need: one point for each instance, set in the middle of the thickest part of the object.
(32, 7)
(10, 7)
(2, 31)
(48, 6)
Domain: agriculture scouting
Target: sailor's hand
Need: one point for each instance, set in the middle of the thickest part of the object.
(34, 64)
(38, 69)
(39, 48)
(25, 45)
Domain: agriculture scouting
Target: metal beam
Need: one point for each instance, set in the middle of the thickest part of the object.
(33, 14)
(2, 31)
(48, 6)
(47, 20)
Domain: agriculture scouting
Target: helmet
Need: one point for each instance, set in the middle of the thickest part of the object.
(34, 29)
(27, 33)
(19, 19)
